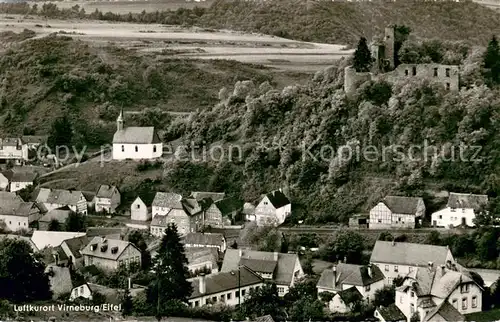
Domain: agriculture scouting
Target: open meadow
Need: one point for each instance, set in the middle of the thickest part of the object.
(193, 43)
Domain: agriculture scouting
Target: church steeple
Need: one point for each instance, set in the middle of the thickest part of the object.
(119, 121)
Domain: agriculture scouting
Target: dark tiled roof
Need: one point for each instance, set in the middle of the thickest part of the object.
(159, 221)
(265, 318)
(105, 191)
(229, 205)
(89, 195)
(402, 205)
(198, 256)
(408, 253)
(121, 245)
(136, 135)
(167, 200)
(77, 244)
(191, 206)
(34, 139)
(350, 295)
(56, 214)
(64, 197)
(225, 282)
(200, 195)
(23, 176)
(349, 274)
(278, 199)
(105, 231)
(447, 311)
(391, 313)
(466, 200)
(203, 239)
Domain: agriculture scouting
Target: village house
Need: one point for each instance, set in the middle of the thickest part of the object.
(34, 141)
(58, 198)
(273, 209)
(397, 259)
(168, 209)
(15, 213)
(19, 179)
(110, 254)
(397, 212)
(366, 279)
(228, 288)
(135, 142)
(13, 150)
(60, 214)
(221, 212)
(461, 210)
(42, 239)
(72, 248)
(140, 209)
(205, 240)
(390, 313)
(164, 202)
(214, 196)
(60, 280)
(359, 221)
(283, 269)
(88, 290)
(438, 293)
(345, 301)
(4, 181)
(107, 199)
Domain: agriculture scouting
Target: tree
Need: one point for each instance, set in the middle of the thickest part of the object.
(348, 245)
(362, 61)
(495, 293)
(401, 33)
(263, 301)
(307, 308)
(434, 238)
(307, 267)
(137, 238)
(127, 304)
(26, 193)
(415, 317)
(61, 133)
(75, 222)
(54, 225)
(22, 276)
(384, 296)
(171, 285)
(491, 62)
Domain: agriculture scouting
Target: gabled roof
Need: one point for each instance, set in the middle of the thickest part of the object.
(76, 245)
(208, 239)
(112, 295)
(64, 197)
(225, 281)
(349, 274)
(467, 200)
(43, 239)
(391, 313)
(283, 274)
(350, 295)
(42, 195)
(56, 214)
(34, 139)
(167, 200)
(105, 191)
(447, 311)
(109, 244)
(10, 142)
(106, 231)
(259, 266)
(228, 205)
(198, 256)
(408, 253)
(215, 196)
(22, 209)
(265, 318)
(22, 176)
(277, 199)
(192, 206)
(159, 221)
(89, 195)
(402, 205)
(136, 135)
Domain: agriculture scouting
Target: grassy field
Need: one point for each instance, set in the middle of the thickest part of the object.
(486, 316)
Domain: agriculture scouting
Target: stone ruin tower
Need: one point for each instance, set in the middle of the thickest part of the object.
(383, 51)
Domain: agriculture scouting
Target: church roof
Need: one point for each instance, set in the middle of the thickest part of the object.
(136, 135)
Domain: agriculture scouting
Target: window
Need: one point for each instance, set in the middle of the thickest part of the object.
(243, 292)
(386, 268)
(228, 296)
(10, 222)
(81, 289)
(380, 221)
(414, 70)
(447, 86)
(214, 299)
(464, 288)
(237, 294)
(136, 148)
(440, 216)
(452, 210)
(265, 203)
(138, 206)
(396, 268)
(154, 148)
(435, 72)
(196, 303)
(17, 184)
(399, 219)
(474, 301)
(406, 72)
(464, 303)
(455, 303)
(281, 290)
(222, 298)
(447, 72)
(76, 292)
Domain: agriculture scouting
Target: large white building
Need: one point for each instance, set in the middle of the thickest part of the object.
(273, 209)
(135, 142)
(13, 149)
(460, 210)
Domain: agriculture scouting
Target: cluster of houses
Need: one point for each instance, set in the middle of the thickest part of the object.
(434, 286)
(395, 212)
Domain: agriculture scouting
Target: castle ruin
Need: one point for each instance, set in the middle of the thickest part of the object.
(383, 53)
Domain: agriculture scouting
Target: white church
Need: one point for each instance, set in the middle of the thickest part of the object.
(135, 142)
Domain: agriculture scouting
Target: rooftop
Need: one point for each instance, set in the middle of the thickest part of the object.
(167, 200)
(349, 274)
(215, 196)
(106, 248)
(76, 245)
(402, 205)
(228, 205)
(408, 253)
(105, 191)
(203, 239)
(136, 135)
(467, 200)
(43, 239)
(391, 313)
(277, 199)
(56, 214)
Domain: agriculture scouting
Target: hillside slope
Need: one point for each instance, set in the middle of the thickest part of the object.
(45, 78)
(345, 22)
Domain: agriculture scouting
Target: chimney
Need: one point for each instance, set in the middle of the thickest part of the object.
(430, 264)
(202, 284)
(334, 276)
(370, 270)
(129, 283)
(442, 270)
(275, 256)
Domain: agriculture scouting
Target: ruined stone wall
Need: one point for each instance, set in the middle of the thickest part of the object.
(353, 79)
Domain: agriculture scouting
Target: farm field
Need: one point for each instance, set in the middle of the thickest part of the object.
(192, 43)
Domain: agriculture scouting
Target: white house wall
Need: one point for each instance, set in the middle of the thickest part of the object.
(202, 300)
(16, 186)
(81, 291)
(14, 223)
(139, 211)
(446, 217)
(144, 151)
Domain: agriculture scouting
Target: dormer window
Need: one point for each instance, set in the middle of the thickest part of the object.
(464, 288)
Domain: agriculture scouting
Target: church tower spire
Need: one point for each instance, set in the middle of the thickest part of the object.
(119, 121)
